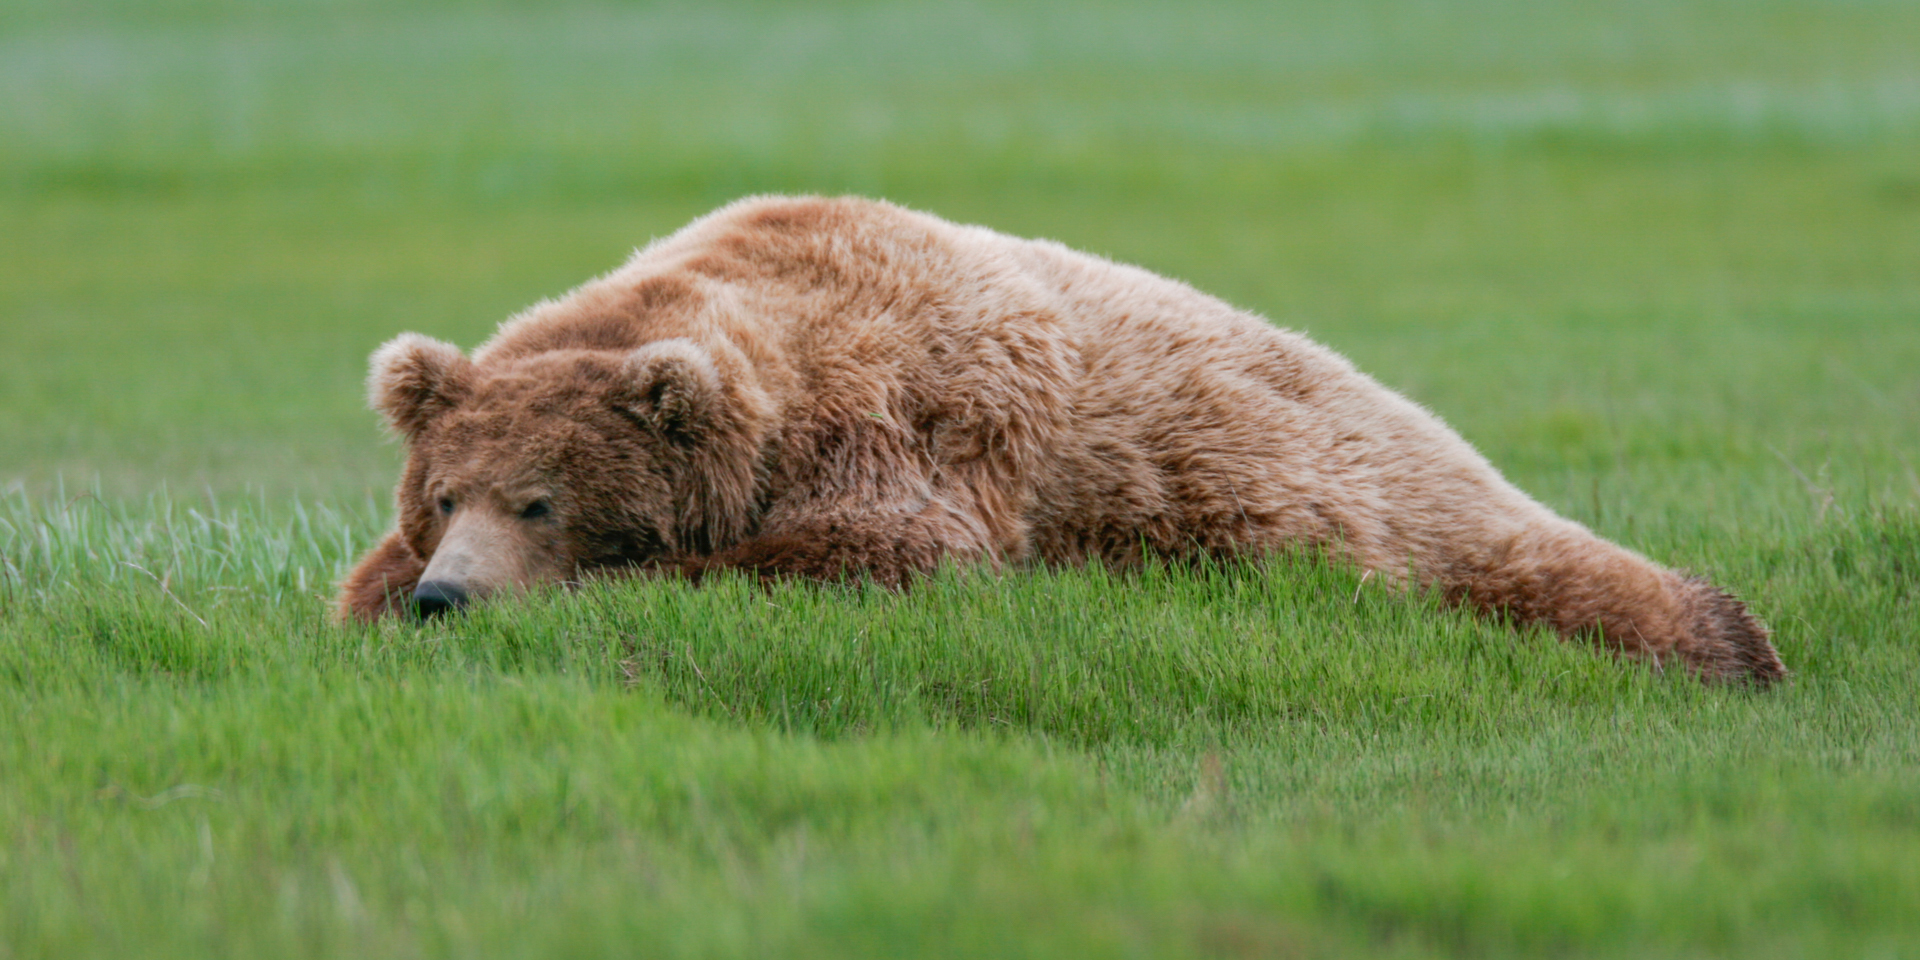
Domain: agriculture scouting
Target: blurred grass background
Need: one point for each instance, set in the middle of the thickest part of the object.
(1562, 225)
(1659, 260)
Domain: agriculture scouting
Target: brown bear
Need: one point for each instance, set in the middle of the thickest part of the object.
(830, 388)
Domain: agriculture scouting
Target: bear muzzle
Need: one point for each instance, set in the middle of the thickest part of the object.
(483, 552)
(435, 597)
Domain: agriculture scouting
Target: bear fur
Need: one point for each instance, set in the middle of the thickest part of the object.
(830, 388)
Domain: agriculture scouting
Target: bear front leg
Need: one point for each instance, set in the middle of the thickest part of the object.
(382, 582)
(890, 549)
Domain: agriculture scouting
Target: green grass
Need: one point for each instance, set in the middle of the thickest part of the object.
(1660, 261)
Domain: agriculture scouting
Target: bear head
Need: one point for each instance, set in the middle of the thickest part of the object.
(551, 466)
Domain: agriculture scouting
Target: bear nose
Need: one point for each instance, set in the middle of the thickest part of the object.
(435, 597)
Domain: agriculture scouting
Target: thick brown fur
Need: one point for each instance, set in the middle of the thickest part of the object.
(836, 388)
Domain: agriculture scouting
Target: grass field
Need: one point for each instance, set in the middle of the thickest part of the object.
(1660, 261)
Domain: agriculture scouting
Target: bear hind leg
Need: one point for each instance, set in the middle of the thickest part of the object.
(1724, 640)
(1584, 586)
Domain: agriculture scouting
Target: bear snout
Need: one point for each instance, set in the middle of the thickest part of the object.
(435, 597)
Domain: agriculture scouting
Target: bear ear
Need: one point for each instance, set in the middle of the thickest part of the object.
(674, 386)
(415, 379)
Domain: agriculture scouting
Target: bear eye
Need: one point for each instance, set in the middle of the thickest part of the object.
(536, 510)
(446, 505)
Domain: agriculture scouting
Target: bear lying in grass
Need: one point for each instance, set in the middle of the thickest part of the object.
(840, 388)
